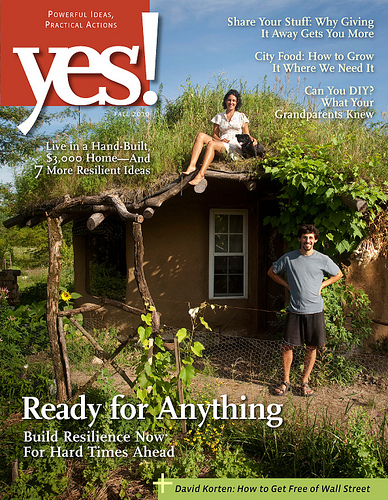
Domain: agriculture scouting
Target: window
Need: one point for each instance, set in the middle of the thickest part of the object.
(228, 262)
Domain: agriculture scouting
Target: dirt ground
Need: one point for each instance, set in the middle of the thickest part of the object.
(369, 393)
(333, 402)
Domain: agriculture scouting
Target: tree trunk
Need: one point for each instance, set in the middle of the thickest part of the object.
(140, 276)
(54, 272)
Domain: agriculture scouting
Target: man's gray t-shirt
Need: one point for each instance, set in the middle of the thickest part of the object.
(305, 275)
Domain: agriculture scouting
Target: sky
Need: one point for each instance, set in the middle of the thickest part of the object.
(196, 41)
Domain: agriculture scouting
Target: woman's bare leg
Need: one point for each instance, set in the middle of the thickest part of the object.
(200, 141)
(211, 148)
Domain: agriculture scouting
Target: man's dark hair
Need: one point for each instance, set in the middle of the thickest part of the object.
(307, 229)
(236, 94)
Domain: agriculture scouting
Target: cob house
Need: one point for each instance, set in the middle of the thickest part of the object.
(177, 248)
(207, 244)
(168, 245)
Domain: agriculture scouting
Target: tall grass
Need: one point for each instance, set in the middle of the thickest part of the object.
(171, 128)
(309, 445)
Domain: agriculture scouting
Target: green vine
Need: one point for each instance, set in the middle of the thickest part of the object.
(156, 377)
(312, 191)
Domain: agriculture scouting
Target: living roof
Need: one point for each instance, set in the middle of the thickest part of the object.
(135, 208)
(169, 133)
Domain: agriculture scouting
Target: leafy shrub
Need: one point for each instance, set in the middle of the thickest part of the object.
(22, 332)
(155, 377)
(34, 293)
(312, 192)
(348, 325)
(348, 315)
(360, 455)
(11, 356)
(47, 481)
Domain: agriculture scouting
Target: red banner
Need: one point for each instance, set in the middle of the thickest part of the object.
(77, 53)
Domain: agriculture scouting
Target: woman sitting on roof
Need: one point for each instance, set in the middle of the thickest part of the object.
(226, 126)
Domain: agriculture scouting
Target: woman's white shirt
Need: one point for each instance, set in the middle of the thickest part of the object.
(229, 128)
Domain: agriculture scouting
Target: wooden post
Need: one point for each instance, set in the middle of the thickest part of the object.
(65, 356)
(54, 272)
(180, 385)
(15, 470)
(140, 276)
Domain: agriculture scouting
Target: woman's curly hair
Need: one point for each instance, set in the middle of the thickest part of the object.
(236, 94)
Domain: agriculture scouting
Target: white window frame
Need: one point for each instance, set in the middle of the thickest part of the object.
(213, 253)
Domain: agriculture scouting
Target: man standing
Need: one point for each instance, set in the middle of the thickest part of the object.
(305, 323)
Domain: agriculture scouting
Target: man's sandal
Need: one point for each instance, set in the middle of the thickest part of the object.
(306, 390)
(280, 391)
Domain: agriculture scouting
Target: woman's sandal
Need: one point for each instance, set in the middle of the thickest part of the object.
(306, 390)
(283, 392)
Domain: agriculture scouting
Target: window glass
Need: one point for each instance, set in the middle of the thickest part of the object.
(228, 259)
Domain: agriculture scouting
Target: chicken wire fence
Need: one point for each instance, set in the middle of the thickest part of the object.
(259, 360)
(256, 360)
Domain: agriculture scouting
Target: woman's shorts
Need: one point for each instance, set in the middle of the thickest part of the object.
(305, 329)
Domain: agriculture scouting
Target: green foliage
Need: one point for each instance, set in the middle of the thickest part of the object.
(233, 463)
(25, 247)
(23, 332)
(225, 461)
(14, 145)
(155, 380)
(308, 447)
(6, 247)
(311, 192)
(188, 348)
(336, 368)
(47, 481)
(360, 457)
(81, 352)
(97, 469)
(33, 292)
(31, 322)
(106, 281)
(348, 325)
(186, 465)
(347, 315)
(304, 447)
(170, 129)
(67, 255)
(11, 357)
(209, 441)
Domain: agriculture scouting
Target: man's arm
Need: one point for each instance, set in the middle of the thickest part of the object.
(331, 280)
(278, 279)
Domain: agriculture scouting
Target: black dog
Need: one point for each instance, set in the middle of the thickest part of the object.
(248, 149)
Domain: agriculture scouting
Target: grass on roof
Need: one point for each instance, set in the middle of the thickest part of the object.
(169, 130)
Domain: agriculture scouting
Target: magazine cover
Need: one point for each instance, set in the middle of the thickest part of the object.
(194, 250)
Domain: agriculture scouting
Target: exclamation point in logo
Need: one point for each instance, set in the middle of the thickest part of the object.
(150, 36)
